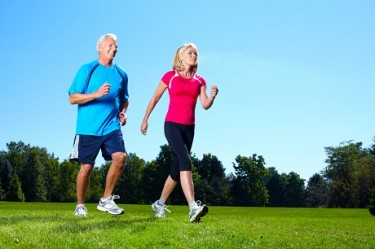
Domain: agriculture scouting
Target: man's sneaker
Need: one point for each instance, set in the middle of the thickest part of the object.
(108, 205)
(159, 209)
(197, 211)
(80, 210)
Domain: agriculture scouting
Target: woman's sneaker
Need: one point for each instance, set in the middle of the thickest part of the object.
(108, 205)
(197, 211)
(159, 209)
(80, 211)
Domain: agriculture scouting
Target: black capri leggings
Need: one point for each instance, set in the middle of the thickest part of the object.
(180, 137)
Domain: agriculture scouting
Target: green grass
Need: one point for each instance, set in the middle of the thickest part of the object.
(52, 225)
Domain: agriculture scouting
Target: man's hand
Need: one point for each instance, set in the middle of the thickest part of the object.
(104, 89)
(123, 118)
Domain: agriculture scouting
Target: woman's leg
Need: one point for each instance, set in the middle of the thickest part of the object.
(168, 188)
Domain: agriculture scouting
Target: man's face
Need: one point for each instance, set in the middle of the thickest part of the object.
(108, 48)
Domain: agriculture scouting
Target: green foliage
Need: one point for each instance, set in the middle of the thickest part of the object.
(350, 173)
(33, 183)
(128, 185)
(29, 173)
(64, 186)
(371, 206)
(276, 188)
(317, 192)
(249, 186)
(295, 190)
(96, 188)
(5, 175)
(212, 187)
(15, 192)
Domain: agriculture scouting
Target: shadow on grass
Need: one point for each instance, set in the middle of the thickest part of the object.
(80, 225)
(63, 224)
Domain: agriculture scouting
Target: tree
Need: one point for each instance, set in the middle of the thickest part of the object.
(15, 190)
(316, 192)
(33, 183)
(128, 185)
(97, 183)
(249, 186)
(5, 175)
(150, 187)
(276, 188)
(66, 181)
(15, 155)
(2, 192)
(51, 175)
(212, 187)
(295, 190)
(350, 174)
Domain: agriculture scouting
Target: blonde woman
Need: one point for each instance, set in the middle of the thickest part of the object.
(184, 87)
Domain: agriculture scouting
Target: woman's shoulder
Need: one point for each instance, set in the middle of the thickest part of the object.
(200, 79)
(170, 73)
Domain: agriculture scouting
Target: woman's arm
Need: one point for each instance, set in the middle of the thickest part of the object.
(208, 101)
(151, 105)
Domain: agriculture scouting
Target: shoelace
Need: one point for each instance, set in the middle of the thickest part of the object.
(80, 208)
(114, 197)
(165, 208)
(114, 205)
(199, 203)
(84, 208)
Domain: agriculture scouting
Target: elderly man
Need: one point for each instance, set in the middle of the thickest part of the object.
(100, 90)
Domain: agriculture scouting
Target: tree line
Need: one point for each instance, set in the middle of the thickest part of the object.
(30, 173)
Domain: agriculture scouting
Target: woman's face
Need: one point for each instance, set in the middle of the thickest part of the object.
(189, 57)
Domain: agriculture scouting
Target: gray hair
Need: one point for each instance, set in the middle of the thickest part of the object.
(103, 37)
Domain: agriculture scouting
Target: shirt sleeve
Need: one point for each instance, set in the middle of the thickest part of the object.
(124, 90)
(124, 93)
(79, 81)
(167, 77)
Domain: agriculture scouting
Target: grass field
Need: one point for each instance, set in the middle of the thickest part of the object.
(52, 225)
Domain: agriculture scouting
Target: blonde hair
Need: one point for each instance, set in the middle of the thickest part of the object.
(177, 63)
(103, 38)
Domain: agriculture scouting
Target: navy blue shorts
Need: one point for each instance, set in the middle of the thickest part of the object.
(86, 147)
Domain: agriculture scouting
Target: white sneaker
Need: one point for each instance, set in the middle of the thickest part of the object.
(197, 211)
(110, 206)
(159, 209)
(80, 211)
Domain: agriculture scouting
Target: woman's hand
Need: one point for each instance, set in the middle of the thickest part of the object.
(144, 127)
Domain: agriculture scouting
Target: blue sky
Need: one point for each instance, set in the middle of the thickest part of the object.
(294, 76)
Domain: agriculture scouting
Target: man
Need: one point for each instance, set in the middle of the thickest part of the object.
(100, 89)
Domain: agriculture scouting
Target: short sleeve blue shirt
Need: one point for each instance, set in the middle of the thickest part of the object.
(100, 116)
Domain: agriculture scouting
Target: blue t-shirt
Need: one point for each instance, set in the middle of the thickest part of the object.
(100, 116)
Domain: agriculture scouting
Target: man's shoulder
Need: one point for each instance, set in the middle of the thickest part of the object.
(90, 65)
(121, 71)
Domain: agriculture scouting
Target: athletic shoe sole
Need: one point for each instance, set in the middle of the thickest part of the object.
(103, 209)
(202, 213)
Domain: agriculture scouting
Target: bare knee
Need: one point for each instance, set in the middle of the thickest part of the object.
(85, 169)
(118, 159)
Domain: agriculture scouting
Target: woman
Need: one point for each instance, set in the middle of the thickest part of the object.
(184, 87)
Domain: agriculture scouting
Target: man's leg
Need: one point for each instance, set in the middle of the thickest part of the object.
(114, 172)
(83, 180)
